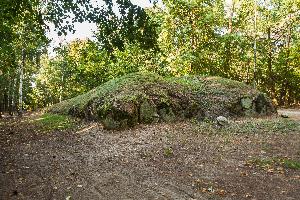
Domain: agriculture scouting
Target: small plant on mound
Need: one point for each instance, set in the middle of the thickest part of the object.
(147, 98)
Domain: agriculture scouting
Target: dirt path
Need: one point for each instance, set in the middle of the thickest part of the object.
(169, 161)
(292, 113)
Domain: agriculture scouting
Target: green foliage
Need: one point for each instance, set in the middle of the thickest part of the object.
(80, 66)
(77, 68)
(181, 38)
(131, 24)
(216, 38)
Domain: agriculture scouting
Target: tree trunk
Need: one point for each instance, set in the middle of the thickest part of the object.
(1, 106)
(285, 84)
(5, 97)
(62, 83)
(270, 71)
(288, 44)
(230, 26)
(11, 95)
(254, 47)
(22, 66)
(228, 56)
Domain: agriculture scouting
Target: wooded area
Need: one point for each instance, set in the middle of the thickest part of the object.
(185, 99)
(256, 42)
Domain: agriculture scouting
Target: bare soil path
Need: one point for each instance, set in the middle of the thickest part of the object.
(292, 113)
(165, 161)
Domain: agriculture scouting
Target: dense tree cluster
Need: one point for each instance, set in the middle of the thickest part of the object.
(257, 42)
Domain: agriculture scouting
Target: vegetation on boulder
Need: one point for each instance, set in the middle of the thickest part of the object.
(147, 97)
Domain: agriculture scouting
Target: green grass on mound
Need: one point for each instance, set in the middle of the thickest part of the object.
(126, 84)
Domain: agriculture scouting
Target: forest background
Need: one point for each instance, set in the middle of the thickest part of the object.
(256, 42)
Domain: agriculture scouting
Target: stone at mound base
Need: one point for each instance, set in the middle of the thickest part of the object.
(222, 121)
(284, 116)
(246, 103)
(149, 98)
(110, 124)
(261, 104)
(148, 113)
(167, 115)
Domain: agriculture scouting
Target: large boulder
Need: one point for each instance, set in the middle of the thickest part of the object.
(149, 98)
(148, 112)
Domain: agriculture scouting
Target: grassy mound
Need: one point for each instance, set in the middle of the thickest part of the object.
(146, 98)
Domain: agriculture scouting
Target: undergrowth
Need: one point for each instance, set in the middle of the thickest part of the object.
(51, 122)
(250, 126)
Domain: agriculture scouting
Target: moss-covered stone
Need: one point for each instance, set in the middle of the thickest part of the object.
(147, 98)
(167, 115)
(260, 104)
(110, 124)
(246, 103)
(148, 112)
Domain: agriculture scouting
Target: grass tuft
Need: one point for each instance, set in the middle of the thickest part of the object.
(292, 164)
(168, 152)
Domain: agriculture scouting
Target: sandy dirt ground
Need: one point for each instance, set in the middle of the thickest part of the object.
(160, 161)
(292, 113)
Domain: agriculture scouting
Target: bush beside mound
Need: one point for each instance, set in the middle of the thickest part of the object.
(147, 98)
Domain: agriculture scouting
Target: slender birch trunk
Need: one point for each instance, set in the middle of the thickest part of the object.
(22, 66)
(254, 46)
